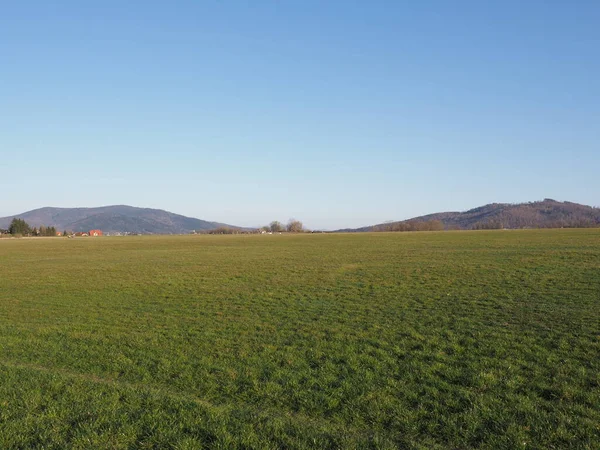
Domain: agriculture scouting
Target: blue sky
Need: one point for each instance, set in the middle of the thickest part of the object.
(340, 114)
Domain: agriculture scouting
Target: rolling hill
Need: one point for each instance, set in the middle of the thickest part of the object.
(542, 214)
(118, 218)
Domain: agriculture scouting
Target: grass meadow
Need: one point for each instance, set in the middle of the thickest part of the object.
(486, 339)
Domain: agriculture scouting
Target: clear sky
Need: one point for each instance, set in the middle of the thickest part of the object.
(338, 113)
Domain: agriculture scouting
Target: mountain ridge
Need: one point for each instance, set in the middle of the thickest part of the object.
(547, 213)
(114, 218)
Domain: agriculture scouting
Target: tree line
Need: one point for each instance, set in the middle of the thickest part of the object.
(499, 224)
(490, 224)
(411, 225)
(293, 226)
(18, 227)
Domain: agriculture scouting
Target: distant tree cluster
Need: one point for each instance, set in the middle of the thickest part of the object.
(517, 223)
(497, 223)
(223, 230)
(488, 225)
(276, 227)
(411, 225)
(293, 226)
(43, 231)
(574, 223)
(18, 227)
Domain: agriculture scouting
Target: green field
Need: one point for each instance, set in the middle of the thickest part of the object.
(406, 340)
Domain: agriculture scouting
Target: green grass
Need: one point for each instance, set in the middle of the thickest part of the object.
(408, 340)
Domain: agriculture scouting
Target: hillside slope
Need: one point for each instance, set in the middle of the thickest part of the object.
(118, 218)
(543, 214)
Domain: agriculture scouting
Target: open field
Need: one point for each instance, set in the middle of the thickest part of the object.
(410, 340)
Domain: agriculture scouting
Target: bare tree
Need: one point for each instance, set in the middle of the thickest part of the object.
(276, 226)
(295, 226)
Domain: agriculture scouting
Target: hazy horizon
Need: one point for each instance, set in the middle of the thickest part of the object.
(339, 114)
(266, 222)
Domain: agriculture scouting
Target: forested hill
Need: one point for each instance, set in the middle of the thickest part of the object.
(120, 218)
(543, 214)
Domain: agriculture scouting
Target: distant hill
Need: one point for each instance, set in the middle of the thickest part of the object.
(119, 218)
(543, 214)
